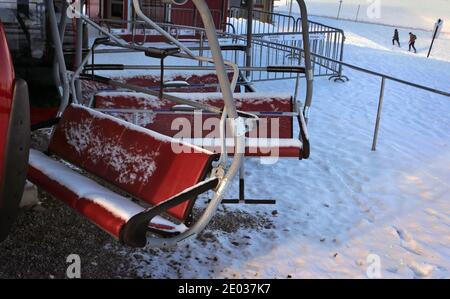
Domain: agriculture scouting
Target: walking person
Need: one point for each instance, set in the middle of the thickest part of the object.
(396, 38)
(412, 42)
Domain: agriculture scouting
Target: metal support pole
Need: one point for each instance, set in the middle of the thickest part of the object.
(432, 42)
(59, 54)
(309, 74)
(248, 59)
(339, 10)
(62, 29)
(202, 45)
(380, 108)
(242, 182)
(79, 50)
(357, 13)
(290, 14)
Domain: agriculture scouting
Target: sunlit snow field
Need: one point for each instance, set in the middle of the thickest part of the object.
(347, 206)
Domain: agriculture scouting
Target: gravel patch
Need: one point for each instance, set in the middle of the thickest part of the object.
(46, 235)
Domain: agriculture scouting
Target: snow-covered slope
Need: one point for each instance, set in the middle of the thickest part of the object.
(406, 13)
(346, 208)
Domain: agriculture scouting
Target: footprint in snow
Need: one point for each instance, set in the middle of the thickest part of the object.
(407, 241)
(432, 212)
(422, 270)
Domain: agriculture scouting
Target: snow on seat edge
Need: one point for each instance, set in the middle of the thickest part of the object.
(103, 207)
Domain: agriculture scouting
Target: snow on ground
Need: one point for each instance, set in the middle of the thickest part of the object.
(346, 207)
(405, 13)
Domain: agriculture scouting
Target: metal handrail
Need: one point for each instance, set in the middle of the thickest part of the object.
(355, 67)
(342, 63)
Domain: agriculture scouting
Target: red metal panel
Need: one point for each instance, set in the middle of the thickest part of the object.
(6, 94)
(141, 164)
(218, 11)
(39, 115)
(270, 150)
(162, 123)
(96, 213)
(172, 174)
(197, 83)
(93, 8)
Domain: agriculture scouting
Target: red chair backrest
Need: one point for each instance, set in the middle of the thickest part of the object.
(162, 122)
(138, 161)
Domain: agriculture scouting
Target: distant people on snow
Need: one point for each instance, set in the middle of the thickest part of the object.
(412, 42)
(396, 38)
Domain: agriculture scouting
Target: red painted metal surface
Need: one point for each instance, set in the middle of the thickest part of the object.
(201, 126)
(265, 149)
(185, 14)
(6, 94)
(39, 115)
(96, 213)
(270, 126)
(198, 83)
(139, 162)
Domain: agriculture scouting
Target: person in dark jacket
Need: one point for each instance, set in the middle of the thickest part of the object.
(396, 38)
(412, 42)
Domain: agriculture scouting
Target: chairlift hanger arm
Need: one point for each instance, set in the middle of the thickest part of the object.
(307, 53)
(229, 110)
(135, 231)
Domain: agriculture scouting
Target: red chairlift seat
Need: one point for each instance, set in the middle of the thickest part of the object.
(260, 142)
(137, 161)
(199, 83)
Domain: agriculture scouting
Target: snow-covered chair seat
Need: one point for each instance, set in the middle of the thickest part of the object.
(274, 133)
(145, 165)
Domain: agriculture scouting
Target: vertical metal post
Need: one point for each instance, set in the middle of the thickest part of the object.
(380, 108)
(309, 72)
(59, 54)
(357, 13)
(341, 56)
(202, 44)
(434, 37)
(290, 7)
(62, 29)
(290, 14)
(248, 60)
(242, 182)
(339, 10)
(79, 49)
(297, 80)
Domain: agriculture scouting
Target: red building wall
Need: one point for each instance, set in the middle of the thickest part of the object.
(181, 14)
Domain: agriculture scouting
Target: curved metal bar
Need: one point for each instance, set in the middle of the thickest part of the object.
(237, 129)
(230, 109)
(62, 29)
(307, 52)
(138, 10)
(216, 52)
(59, 55)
